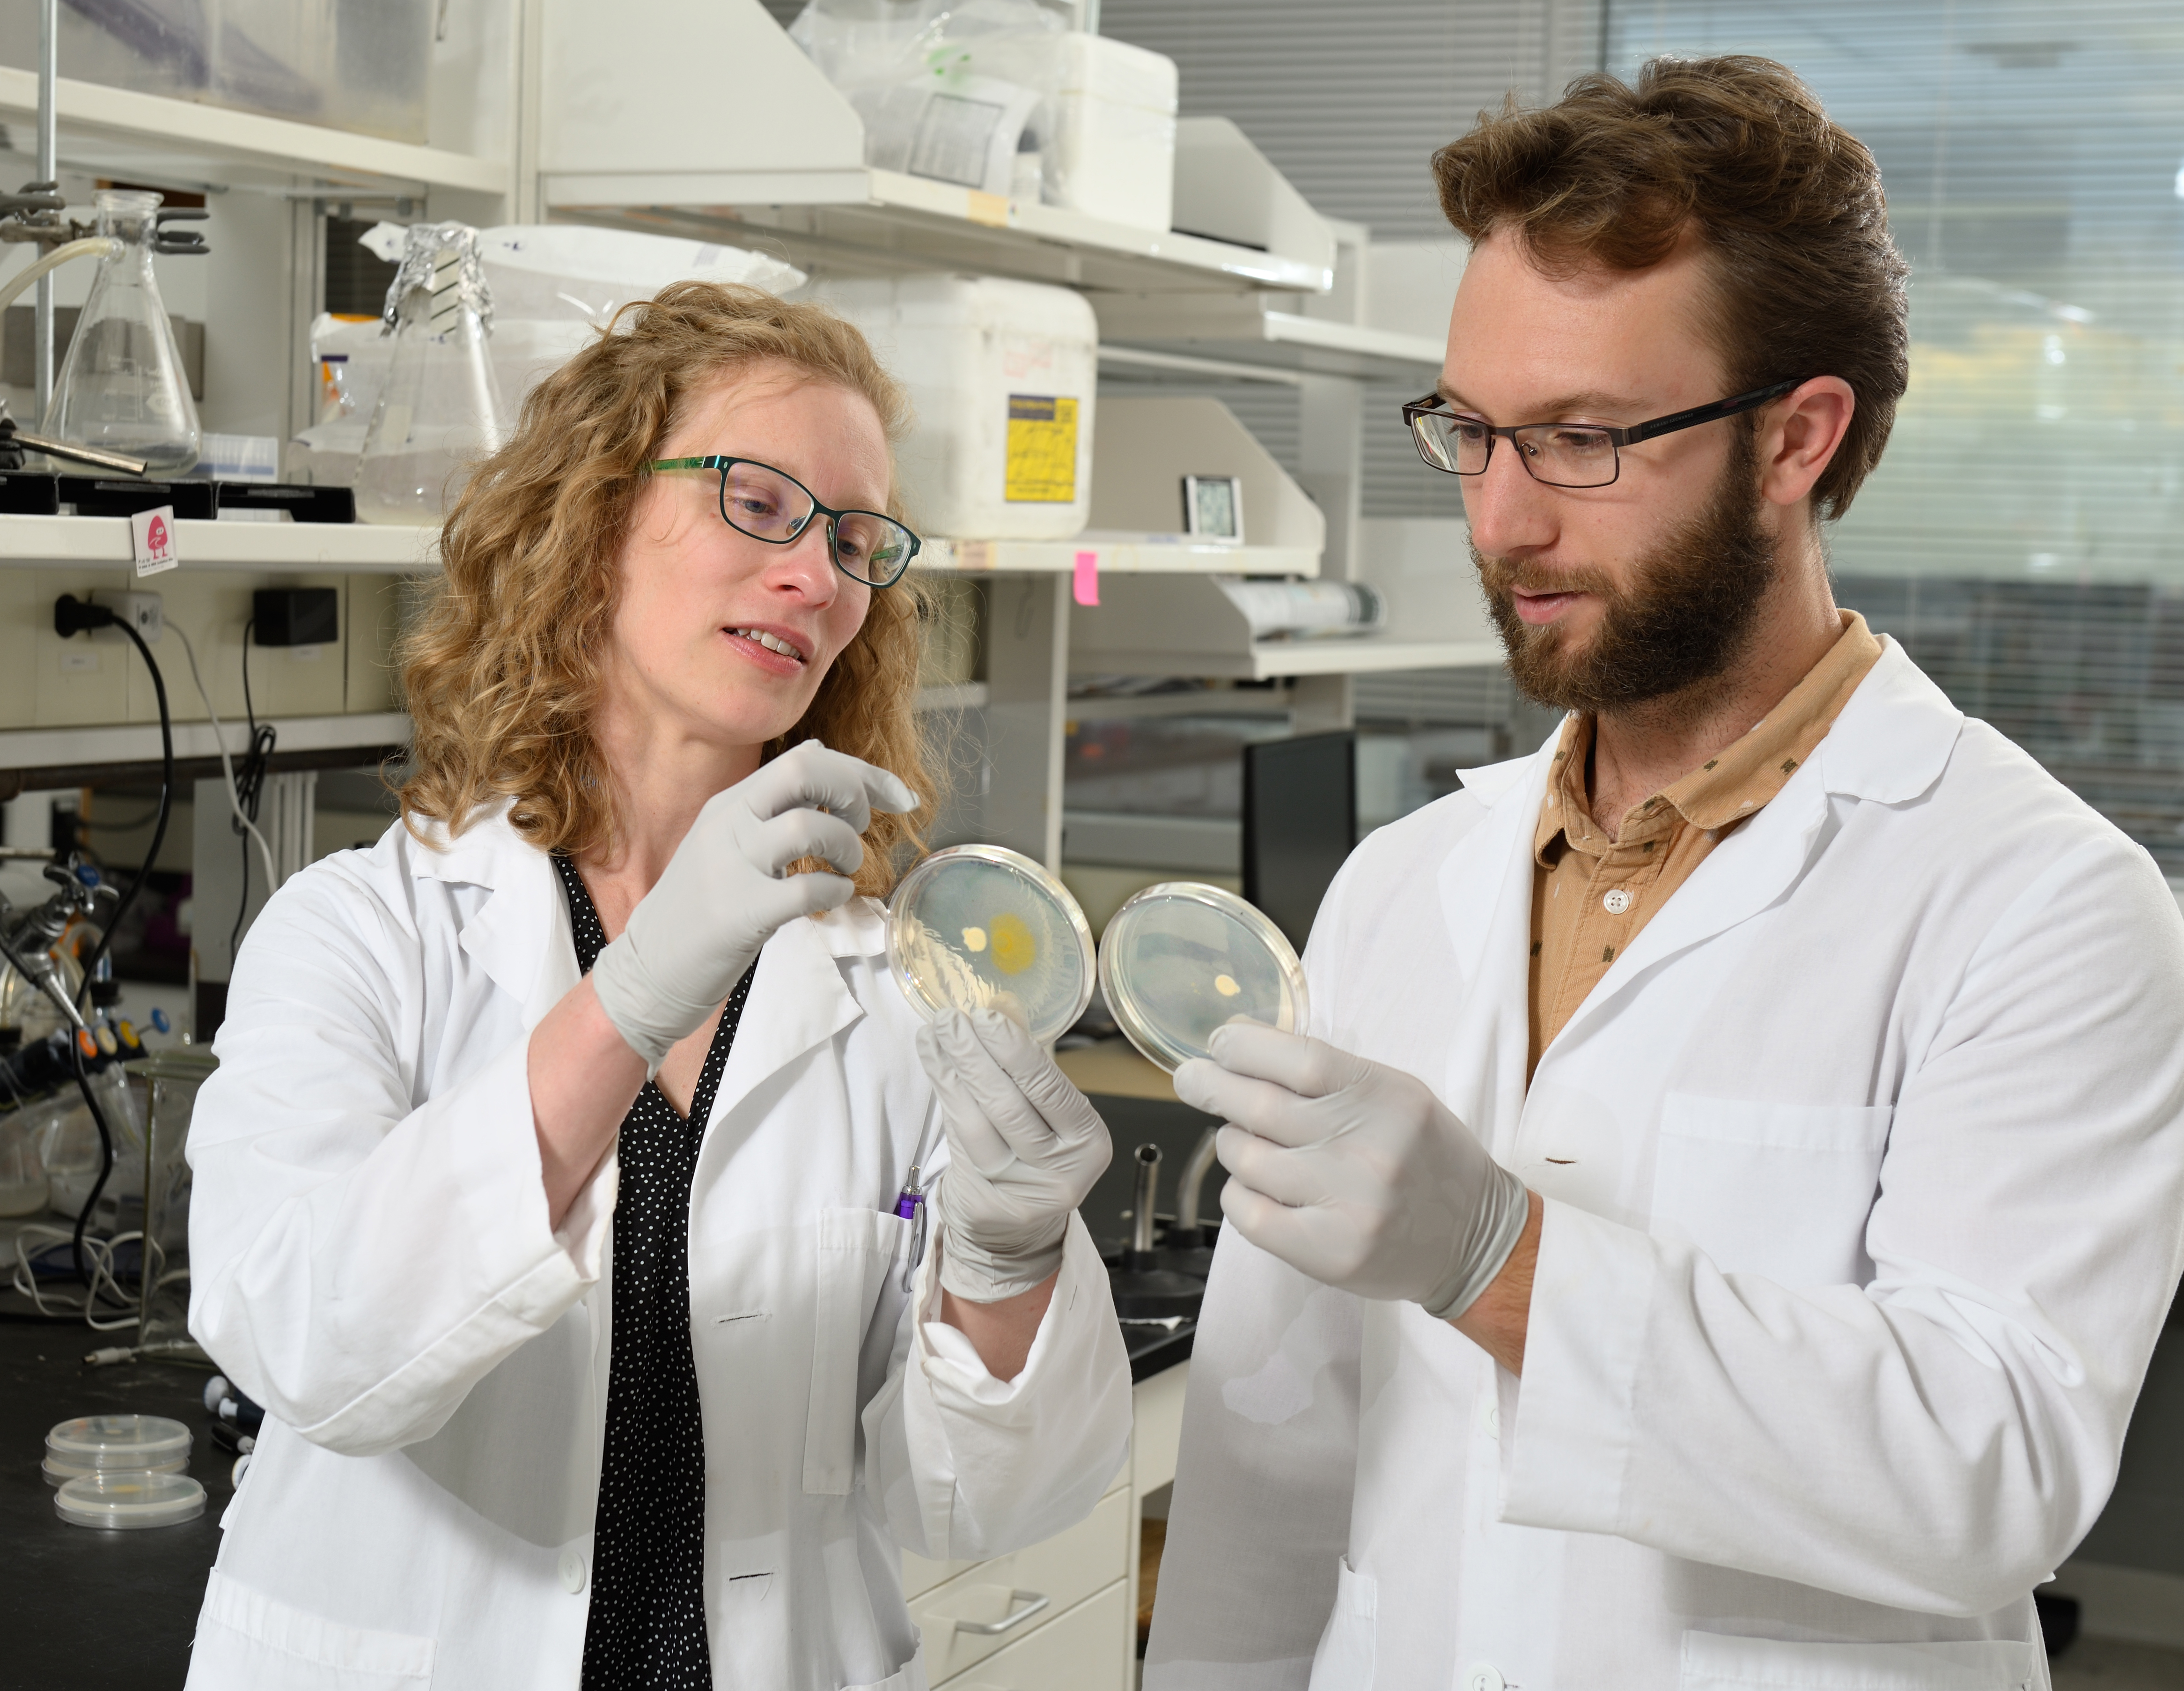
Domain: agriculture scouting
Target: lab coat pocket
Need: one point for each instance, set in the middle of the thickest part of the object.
(1781, 1190)
(1349, 1647)
(857, 1249)
(1714, 1661)
(246, 1638)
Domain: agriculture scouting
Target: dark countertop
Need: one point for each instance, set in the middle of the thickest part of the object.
(102, 1609)
(1154, 1350)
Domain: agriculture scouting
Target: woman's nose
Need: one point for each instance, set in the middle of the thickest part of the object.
(1507, 511)
(805, 566)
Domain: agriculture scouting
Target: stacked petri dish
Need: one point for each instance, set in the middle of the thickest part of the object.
(981, 927)
(122, 1472)
(1181, 958)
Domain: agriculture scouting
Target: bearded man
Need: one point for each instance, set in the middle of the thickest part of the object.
(1718, 1230)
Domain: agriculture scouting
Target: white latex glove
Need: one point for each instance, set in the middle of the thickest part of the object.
(1352, 1173)
(1024, 1146)
(726, 890)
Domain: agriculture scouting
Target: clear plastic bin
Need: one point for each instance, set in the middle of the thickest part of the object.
(354, 64)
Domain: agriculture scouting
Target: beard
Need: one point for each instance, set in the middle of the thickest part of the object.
(1687, 615)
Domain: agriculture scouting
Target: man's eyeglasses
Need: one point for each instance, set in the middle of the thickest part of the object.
(773, 505)
(1557, 454)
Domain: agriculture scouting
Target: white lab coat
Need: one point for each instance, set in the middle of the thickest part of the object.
(1863, 1174)
(372, 1263)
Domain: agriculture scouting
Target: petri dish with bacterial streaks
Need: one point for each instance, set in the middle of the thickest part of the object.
(1181, 958)
(983, 927)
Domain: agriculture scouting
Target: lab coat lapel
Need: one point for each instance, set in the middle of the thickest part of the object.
(521, 938)
(798, 1000)
(1891, 744)
(1486, 898)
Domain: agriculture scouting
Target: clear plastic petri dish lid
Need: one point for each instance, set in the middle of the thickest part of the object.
(980, 926)
(90, 1443)
(59, 1472)
(1179, 959)
(120, 1500)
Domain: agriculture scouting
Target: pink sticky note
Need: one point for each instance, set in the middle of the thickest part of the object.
(1084, 580)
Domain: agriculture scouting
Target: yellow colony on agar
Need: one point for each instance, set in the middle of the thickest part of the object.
(1014, 950)
(1226, 985)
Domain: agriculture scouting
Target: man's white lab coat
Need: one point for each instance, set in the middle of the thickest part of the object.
(372, 1263)
(1864, 1182)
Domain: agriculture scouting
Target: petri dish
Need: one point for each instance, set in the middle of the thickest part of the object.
(980, 927)
(1179, 959)
(126, 1500)
(135, 1442)
(59, 1471)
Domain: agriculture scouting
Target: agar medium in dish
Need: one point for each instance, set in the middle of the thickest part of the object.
(121, 1499)
(1181, 958)
(980, 927)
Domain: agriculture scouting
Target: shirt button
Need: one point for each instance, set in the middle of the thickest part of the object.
(1616, 902)
(1482, 1676)
(1490, 1417)
(572, 1576)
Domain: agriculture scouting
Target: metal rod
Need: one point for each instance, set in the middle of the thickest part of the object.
(1194, 1182)
(82, 455)
(1148, 1193)
(49, 168)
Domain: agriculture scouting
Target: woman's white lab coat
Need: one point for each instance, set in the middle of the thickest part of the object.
(1864, 1182)
(372, 1263)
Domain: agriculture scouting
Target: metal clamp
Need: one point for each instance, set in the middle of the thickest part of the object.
(1033, 1602)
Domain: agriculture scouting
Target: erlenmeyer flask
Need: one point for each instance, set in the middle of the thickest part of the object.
(441, 409)
(121, 386)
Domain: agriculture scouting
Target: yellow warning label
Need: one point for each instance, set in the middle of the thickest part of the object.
(1042, 451)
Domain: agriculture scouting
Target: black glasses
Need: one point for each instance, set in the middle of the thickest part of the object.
(773, 505)
(1557, 455)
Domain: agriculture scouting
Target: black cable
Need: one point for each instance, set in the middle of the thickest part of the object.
(249, 790)
(166, 804)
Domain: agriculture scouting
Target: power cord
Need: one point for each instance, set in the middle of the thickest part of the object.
(226, 763)
(249, 788)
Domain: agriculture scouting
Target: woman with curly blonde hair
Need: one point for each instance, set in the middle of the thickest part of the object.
(609, 1007)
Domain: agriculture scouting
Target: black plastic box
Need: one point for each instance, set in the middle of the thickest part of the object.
(295, 615)
(95, 496)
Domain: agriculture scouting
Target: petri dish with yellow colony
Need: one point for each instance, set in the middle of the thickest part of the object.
(983, 927)
(1180, 959)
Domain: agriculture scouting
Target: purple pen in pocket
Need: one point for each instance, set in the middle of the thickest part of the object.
(909, 1205)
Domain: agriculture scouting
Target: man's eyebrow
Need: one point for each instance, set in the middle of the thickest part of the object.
(1593, 400)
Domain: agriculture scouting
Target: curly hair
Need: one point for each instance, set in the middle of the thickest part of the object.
(1807, 279)
(503, 669)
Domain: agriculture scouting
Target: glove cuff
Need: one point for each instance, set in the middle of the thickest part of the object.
(1497, 1225)
(971, 1272)
(651, 1022)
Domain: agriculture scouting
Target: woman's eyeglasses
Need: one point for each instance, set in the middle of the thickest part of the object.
(773, 505)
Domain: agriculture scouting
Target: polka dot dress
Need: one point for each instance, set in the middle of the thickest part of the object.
(647, 1630)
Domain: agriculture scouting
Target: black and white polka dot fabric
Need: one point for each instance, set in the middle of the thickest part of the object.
(647, 1628)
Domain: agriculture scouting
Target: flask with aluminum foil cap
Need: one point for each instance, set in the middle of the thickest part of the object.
(981, 927)
(440, 411)
(1179, 959)
(121, 386)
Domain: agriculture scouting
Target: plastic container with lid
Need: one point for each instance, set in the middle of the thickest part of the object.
(983, 927)
(125, 1499)
(1180, 959)
(1002, 375)
(92, 1444)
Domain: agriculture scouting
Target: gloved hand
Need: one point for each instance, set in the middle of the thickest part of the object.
(725, 890)
(1352, 1173)
(1024, 1146)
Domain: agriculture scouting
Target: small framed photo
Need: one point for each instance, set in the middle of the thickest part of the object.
(1213, 508)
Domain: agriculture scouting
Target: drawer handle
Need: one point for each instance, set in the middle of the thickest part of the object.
(1033, 1602)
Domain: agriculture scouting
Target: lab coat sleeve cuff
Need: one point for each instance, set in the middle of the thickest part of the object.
(1566, 1461)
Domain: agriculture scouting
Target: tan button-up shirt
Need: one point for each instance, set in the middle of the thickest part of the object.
(1592, 892)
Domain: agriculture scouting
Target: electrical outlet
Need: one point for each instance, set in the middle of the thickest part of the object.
(143, 612)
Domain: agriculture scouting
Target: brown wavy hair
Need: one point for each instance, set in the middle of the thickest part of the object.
(1807, 280)
(501, 668)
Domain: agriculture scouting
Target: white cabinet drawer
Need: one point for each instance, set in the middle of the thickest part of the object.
(1037, 1584)
(1082, 1651)
(920, 1576)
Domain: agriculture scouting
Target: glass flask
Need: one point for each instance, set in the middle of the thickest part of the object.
(121, 386)
(441, 409)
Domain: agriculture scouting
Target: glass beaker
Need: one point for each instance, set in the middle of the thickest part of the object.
(174, 1077)
(441, 409)
(121, 385)
(22, 1184)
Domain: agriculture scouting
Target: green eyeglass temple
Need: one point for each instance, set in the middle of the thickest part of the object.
(886, 560)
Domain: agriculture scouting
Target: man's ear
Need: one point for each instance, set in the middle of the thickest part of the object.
(1799, 435)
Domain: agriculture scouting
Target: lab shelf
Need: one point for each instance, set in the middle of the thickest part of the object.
(1248, 329)
(103, 542)
(1273, 660)
(139, 743)
(1119, 554)
(119, 132)
(883, 221)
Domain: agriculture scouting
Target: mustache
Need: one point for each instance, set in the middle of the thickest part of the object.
(1504, 576)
